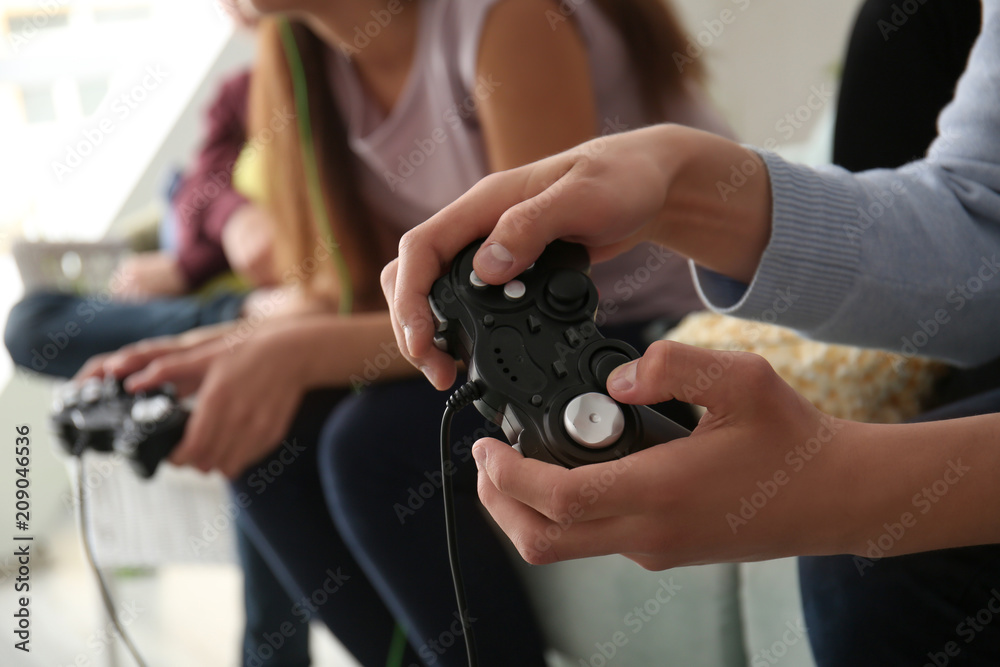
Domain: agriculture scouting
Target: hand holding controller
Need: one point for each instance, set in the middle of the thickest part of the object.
(542, 365)
(101, 415)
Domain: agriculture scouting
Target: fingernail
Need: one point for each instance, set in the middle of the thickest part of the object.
(408, 335)
(479, 453)
(495, 259)
(623, 377)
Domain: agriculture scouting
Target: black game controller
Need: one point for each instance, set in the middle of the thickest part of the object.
(540, 362)
(100, 415)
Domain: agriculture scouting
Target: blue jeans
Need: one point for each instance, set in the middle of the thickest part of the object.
(55, 333)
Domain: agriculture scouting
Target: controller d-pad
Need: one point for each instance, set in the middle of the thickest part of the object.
(572, 337)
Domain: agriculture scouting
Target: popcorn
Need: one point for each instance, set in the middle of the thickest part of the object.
(847, 382)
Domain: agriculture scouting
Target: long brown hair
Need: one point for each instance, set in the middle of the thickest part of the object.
(649, 28)
(653, 34)
(300, 234)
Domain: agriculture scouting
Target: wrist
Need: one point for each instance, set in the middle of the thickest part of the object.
(717, 203)
(848, 505)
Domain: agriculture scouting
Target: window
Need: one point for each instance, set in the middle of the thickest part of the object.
(92, 93)
(39, 105)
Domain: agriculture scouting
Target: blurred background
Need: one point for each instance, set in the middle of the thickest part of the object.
(100, 101)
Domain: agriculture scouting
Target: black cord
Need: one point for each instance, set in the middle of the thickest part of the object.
(88, 550)
(466, 394)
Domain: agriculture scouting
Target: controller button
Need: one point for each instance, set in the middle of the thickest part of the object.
(605, 363)
(537, 400)
(489, 320)
(151, 410)
(572, 337)
(559, 368)
(91, 391)
(476, 280)
(594, 420)
(441, 343)
(534, 324)
(568, 290)
(515, 290)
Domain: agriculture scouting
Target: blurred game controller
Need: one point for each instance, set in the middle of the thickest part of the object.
(100, 415)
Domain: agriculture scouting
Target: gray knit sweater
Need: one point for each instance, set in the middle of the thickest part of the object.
(905, 259)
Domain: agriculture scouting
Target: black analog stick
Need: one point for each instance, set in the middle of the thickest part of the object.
(567, 291)
(604, 362)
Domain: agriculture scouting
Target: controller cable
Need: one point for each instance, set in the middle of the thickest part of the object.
(465, 395)
(88, 549)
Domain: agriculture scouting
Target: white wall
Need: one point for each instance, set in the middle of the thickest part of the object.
(764, 63)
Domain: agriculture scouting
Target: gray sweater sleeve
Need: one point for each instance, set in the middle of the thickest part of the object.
(905, 259)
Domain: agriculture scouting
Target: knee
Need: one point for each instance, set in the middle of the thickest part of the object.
(29, 335)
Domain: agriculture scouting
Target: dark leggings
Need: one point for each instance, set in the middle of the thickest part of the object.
(354, 526)
(937, 608)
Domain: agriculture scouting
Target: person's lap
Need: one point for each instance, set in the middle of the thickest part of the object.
(347, 509)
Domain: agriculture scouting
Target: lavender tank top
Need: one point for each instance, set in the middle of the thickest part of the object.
(429, 149)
